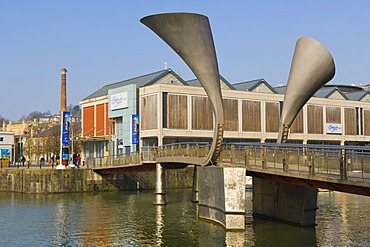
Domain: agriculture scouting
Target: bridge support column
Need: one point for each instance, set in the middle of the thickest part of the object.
(222, 195)
(286, 202)
(160, 185)
(195, 193)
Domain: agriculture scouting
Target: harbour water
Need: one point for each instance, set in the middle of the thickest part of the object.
(131, 219)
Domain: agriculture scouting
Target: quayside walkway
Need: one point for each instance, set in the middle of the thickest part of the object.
(339, 168)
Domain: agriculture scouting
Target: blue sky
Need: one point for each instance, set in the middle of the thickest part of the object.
(104, 42)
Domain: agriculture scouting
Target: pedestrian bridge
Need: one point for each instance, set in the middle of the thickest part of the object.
(332, 167)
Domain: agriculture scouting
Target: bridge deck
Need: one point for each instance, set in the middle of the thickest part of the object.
(339, 168)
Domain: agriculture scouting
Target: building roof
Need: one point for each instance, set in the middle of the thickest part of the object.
(357, 96)
(326, 92)
(195, 82)
(280, 89)
(251, 85)
(344, 88)
(140, 81)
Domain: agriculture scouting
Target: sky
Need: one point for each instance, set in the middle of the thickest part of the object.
(102, 42)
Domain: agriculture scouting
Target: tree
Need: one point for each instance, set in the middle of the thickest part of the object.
(52, 140)
(2, 119)
(23, 117)
(35, 115)
(74, 110)
(76, 142)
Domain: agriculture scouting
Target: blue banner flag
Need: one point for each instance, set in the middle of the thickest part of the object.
(135, 128)
(66, 120)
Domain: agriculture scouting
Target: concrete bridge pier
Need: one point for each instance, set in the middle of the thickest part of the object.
(286, 202)
(195, 189)
(222, 195)
(160, 185)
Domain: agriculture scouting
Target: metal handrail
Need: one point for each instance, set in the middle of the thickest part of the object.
(344, 162)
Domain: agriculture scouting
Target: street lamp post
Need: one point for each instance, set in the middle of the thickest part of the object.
(20, 153)
(72, 151)
(29, 145)
(38, 146)
(21, 146)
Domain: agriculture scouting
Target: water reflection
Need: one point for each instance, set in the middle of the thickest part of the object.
(270, 233)
(343, 219)
(131, 219)
(60, 224)
(235, 238)
(160, 224)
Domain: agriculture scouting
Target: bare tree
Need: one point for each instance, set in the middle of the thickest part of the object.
(76, 142)
(52, 139)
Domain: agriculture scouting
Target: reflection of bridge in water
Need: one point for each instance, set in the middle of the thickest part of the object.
(285, 176)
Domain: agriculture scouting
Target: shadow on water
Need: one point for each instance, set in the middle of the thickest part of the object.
(271, 233)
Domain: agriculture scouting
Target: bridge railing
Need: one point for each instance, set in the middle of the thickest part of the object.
(150, 154)
(112, 161)
(343, 162)
(185, 149)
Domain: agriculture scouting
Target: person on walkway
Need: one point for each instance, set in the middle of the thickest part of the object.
(57, 158)
(42, 161)
(74, 158)
(78, 160)
(23, 159)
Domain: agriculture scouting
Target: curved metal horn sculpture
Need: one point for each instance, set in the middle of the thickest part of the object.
(312, 67)
(190, 36)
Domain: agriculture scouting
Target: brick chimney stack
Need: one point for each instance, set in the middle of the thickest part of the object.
(63, 95)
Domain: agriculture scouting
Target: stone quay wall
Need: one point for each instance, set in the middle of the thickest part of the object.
(85, 180)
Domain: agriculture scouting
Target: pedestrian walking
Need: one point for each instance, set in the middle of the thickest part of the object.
(78, 160)
(23, 159)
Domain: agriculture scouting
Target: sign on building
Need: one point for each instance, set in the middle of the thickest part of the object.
(332, 128)
(118, 101)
